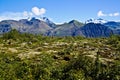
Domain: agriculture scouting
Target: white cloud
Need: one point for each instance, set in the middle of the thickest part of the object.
(15, 15)
(38, 11)
(100, 13)
(22, 15)
(116, 14)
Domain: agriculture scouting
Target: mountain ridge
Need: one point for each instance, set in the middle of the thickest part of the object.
(73, 28)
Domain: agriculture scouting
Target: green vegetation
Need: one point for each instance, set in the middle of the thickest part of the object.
(34, 57)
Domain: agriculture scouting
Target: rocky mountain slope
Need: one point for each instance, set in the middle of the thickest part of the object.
(34, 26)
(67, 29)
(96, 30)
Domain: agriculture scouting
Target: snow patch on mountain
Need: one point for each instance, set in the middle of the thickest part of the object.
(101, 21)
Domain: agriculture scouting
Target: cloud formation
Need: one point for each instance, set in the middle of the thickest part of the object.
(38, 11)
(15, 15)
(101, 14)
(35, 11)
(116, 14)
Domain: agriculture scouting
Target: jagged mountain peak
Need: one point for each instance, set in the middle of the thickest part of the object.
(34, 19)
(74, 21)
(45, 19)
(49, 22)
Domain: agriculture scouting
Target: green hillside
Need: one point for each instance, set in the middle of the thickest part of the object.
(36, 57)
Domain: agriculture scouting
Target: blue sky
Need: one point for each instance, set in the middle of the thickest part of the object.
(60, 11)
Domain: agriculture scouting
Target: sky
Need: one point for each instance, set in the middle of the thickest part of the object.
(60, 11)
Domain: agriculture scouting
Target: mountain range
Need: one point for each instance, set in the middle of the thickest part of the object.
(44, 26)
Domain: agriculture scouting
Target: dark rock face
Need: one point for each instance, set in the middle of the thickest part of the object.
(4, 28)
(50, 23)
(96, 30)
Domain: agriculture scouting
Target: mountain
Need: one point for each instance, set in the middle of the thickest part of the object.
(49, 22)
(92, 28)
(34, 26)
(67, 29)
(4, 27)
(115, 26)
(95, 30)
(37, 26)
(75, 28)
